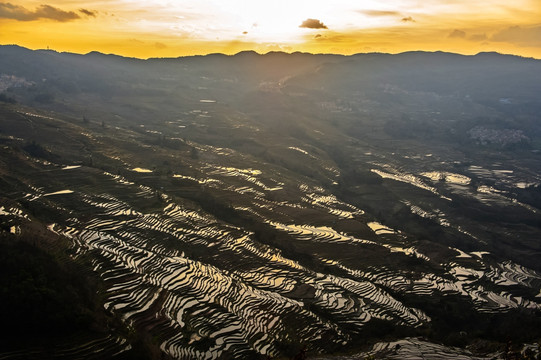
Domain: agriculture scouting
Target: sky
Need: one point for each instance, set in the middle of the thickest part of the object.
(166, 28)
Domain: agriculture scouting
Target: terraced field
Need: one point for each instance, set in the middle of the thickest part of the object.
(219, 251)
(413, 348)
(207, 288)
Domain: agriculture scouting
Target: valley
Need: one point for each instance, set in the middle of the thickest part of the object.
(245, 206)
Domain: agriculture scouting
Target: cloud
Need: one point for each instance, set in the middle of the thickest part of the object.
(525, 36)
(244, 32)
(379, 13)
(317, 36)
(88, 12)
(159, 45)
(382, 13)
(313, 24)
(15, 12)
(20, 13)
(49, 12)
(478, 37)
(457, 34)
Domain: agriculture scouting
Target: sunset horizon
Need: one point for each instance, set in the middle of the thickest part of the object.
(269, 52)
(257, 179)
(159, 29)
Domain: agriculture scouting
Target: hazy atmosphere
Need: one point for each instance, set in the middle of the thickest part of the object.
(177, 28)
(339, 180)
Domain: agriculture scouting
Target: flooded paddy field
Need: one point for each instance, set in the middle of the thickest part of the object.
(243, 260)
(220, 225)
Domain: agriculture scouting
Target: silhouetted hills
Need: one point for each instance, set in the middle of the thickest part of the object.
(485, 76)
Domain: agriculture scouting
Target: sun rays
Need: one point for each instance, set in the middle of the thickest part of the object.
(162, 28)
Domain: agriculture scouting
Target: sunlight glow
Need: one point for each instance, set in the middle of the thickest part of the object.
(159, 28)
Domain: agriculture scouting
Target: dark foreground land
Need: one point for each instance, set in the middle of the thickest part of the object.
(246, 206)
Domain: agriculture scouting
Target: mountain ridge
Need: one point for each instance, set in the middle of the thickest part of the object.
(252, 52)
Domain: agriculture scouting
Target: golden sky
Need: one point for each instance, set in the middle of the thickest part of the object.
(169, 28)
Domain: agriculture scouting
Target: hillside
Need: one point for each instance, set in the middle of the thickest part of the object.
(244, 206)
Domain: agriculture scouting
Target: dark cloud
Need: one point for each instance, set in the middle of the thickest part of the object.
(313, 24)
(317, 36)
(244, 32)
(457, 34)
(379, 13)
(16, 12)
(20, 13)
(49, 12)
(88, 12)
(382, 13)
(524, 36)
(478, 37)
